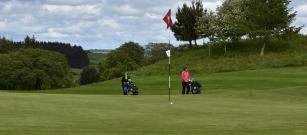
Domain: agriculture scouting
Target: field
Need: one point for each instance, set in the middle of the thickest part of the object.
(255, 102)
(95, 58)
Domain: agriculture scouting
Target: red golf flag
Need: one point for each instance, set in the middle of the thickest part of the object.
(167, 19)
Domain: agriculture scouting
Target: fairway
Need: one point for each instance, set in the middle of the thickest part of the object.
(259, 102)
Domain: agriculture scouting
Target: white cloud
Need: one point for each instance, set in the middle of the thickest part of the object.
(110, 23)
(72, 2)
(301, 10)
(70, 9)
(99, 23)
(126, 10)
(152, 16)
(212, 5)
(52, 33)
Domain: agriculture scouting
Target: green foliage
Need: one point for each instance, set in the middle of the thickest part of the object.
(268, 17)
(231, 23)
(30, 42)
(75, 55)
(185, 23)
(89, 75)
(6, 46)
(156, 52)
(133, 51)
(205, 25)
(32, 69)
(129, 56)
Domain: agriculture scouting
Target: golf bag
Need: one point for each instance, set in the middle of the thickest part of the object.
(195, 87)
(133, 88)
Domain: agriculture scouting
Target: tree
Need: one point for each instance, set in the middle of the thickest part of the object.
(6, 45)
(128, 56)
(206, 27)
(269, 18)
(156, 52)
(230, 20)
(184, 27)
(30, 42)
(89, 75)
(34, 69)
(133, 51)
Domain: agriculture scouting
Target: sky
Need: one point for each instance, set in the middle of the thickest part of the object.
(100, 24)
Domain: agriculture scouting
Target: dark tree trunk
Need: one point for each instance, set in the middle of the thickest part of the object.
(195, 42)
(209, 49)
(190, 43)
(262, 49)
(263, 46)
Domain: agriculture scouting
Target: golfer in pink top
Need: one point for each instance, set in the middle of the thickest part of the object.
(185, 76)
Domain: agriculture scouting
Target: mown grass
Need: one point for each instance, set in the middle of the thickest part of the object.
(254, 102)
(215, 113)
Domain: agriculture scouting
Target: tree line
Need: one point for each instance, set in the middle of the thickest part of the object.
(75, 55)
(38, 65)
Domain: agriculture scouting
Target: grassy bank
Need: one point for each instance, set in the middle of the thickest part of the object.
(251, 80)
(240, 55)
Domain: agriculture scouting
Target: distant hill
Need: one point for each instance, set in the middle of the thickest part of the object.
(99, 50)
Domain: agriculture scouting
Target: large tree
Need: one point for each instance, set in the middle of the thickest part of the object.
(134, 51)
(128, 56)
(231, 21)
(206, 26)
(268, 18)
(184, 26)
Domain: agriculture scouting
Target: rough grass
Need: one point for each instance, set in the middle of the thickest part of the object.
(240, 55)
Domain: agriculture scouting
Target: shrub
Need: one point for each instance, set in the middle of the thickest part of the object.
(89, 75)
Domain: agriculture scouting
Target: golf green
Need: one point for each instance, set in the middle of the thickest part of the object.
(259, 102)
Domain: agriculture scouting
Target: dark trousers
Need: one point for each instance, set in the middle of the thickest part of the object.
(125, 88)
(185, 86)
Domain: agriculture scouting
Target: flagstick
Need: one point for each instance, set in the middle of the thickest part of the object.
(169, 69)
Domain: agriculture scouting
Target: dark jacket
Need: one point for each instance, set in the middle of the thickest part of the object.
(125, 80)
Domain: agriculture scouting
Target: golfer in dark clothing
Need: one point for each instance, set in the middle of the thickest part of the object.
(185, 76)
(125, 83)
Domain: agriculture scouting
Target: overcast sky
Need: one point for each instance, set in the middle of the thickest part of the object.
(100, 24)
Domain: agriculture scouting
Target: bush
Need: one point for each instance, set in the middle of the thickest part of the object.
(89, 75)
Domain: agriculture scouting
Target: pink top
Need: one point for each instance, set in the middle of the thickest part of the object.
(185, 76)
